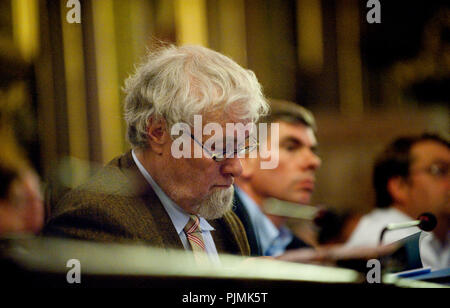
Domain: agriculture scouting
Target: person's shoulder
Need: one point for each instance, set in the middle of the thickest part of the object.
(366, 232)
(370, 226)
(235, 225)
(114, 182)
(106, 207)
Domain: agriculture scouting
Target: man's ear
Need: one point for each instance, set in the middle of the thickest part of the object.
(157, 134)
(398, 188)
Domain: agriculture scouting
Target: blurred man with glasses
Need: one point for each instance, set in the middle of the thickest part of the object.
(411, 177)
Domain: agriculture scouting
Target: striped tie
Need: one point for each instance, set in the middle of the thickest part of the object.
(194, 236)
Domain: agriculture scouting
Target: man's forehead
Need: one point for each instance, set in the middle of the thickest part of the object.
(429, 151)
(298, 131)
(231, 126)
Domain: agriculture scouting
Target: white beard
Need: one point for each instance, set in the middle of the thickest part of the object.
(217, 203)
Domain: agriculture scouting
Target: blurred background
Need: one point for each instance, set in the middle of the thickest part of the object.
(60, 82)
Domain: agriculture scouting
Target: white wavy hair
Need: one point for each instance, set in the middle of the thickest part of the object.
(176, 83)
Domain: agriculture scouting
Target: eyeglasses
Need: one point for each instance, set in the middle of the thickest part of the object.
(218, 156)
(438, 170)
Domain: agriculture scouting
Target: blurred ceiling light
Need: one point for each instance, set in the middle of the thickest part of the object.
(190, 22)
(309, 35)
(25, 14)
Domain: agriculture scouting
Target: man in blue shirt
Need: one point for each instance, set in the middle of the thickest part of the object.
(292, 180)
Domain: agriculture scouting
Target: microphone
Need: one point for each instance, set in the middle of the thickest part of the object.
(321, 217)
(289, 209)
(426, 222)
(329, 223)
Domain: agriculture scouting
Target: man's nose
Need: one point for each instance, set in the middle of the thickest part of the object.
(232, 166)
(312, 160)
(447, 181)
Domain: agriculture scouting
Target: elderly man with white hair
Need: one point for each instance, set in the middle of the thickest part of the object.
(154, 195)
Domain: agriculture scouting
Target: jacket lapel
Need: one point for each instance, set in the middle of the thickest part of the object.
(158, 221)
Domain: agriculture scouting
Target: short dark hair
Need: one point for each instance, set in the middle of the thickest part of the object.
(395, 161)
(289, 112)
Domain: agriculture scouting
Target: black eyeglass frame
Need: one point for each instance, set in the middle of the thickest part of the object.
(224, 155)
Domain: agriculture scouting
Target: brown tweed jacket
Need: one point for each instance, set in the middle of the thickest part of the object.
(118, 205)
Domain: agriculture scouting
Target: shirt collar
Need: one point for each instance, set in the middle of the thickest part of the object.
(265, 230)
(178, 216)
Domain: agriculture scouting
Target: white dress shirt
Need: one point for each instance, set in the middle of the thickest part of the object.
(179, 217)
(433, 254)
